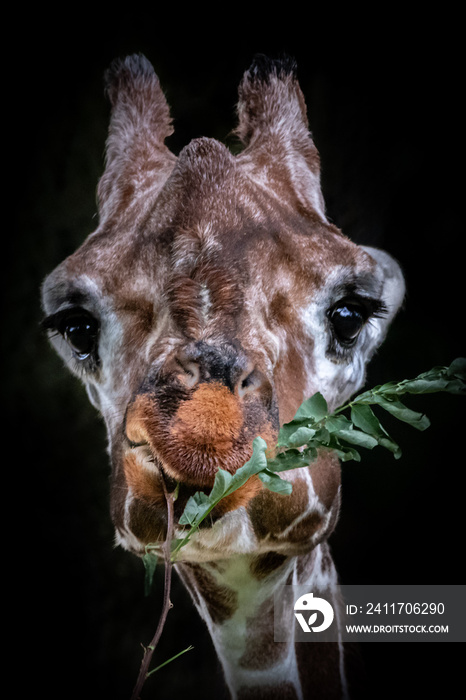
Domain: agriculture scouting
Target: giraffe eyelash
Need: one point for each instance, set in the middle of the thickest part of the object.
(375, 308)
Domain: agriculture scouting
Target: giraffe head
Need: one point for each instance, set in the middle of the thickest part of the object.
(212, 299)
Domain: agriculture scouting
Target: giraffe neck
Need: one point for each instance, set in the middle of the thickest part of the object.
(236, 600)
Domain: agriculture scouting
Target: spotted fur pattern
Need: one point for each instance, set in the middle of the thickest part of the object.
(211, 279)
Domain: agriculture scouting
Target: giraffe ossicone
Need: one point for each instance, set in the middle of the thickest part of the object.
(212, 299)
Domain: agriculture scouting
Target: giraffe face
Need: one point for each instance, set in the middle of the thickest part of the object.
(213, 298)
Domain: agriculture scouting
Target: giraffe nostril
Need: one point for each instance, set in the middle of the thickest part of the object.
(190, 373)
(222, 364)
(249, 383)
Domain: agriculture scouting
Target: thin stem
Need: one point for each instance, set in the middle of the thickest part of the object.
(148, 652)
(169, 660)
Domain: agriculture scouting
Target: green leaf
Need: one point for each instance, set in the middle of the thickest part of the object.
(291, 459)
(274, 482)
(222, 482)
(391, 445)
(150, 564)
(346, 453)
(254, 465)
(336, 423)
(338, 428)
(322, 436)
(314, 408)
(301, 437)
(357, 437)
(457, 369)
(364, 418)
(428, 384)
(287, 430)
(400, 411)
(196, 507)
(258, 459)
(450, 379)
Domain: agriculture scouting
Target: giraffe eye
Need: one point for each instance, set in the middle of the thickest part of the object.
(347, 319)
(79, 328)
(81, 333)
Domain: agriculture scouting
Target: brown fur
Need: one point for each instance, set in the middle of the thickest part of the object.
(145, 485)
(266, 564)
(319, 670)
(306, 528)
(240, 497)
(221, 601)
(212, 417)
(326, 477)
(272, 513)
(261, 651)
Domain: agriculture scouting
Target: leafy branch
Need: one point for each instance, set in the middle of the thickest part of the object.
(313, 428)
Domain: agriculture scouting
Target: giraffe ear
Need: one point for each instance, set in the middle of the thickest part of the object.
(273, 126)
(136, 156)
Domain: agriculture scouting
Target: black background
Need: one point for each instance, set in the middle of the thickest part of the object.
(384, 98)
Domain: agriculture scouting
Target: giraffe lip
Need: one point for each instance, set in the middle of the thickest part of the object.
(185, 465)
(133, 445)
(153, 462)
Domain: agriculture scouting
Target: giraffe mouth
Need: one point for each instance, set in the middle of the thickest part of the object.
(150, 481)
(209, 430)
(150, 465)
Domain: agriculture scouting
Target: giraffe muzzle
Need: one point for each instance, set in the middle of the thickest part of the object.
(202, 414)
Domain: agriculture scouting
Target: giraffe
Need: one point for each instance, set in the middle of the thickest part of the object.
(213, 297)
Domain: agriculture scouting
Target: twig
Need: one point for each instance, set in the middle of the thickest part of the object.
(180, 653)
(148, 652)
